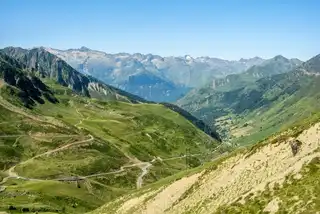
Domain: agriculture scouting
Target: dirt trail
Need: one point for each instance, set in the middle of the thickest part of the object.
(80, 122)
(137, 163)
(236, 177)
(144, 166)
(145, 170)
(122, 168)
(16, 135)
(62, 148)
(13, 174)
(33, 135)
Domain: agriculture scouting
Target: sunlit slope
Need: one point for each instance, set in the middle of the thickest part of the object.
(248, 114)
(270, 177)
(68, 153)
(97, 139)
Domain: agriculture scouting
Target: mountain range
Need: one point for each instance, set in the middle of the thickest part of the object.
(69, 142)
(152, 77)
(45, 64)
(270, 67)
(277, 112)
(244, 140)
(256, 109)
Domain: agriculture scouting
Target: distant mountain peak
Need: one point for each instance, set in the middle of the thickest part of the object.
(188, 57)
(245, 60)
(312, 65)
(296, 61)
(83, 48)
(315, 58)
(184, 70)
(279, 57)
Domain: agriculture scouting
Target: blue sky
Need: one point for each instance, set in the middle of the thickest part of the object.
(217, 28)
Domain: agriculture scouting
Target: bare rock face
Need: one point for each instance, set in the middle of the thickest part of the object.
(47, 65)
(272, 206)
(295, 145)
(30, 88)
(50, 66)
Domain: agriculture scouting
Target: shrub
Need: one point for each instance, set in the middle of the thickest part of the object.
(59, 116)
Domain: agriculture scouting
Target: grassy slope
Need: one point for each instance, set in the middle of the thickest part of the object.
(121, 132)
(270, 67)
(283, 112)
(268, 106)
(306, 187)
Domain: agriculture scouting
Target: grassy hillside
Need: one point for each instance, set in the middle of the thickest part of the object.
(22, 68)
(270, 67)
(75, 154)
(265, 178)
(251, 113)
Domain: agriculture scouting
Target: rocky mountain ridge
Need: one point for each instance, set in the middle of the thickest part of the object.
(261, 107)
(46, 65)
(23, 68)
(175, 75)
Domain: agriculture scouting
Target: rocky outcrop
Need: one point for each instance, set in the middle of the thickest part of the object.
(40, 62)
(31, 88)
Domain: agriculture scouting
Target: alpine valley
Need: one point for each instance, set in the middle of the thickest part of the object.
(83, 131)
(152, 77)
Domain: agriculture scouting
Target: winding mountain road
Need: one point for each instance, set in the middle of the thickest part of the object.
(144, 166)
(145, 170)
(13, 174)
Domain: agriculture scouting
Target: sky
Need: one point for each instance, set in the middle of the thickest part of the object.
(228, 29)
